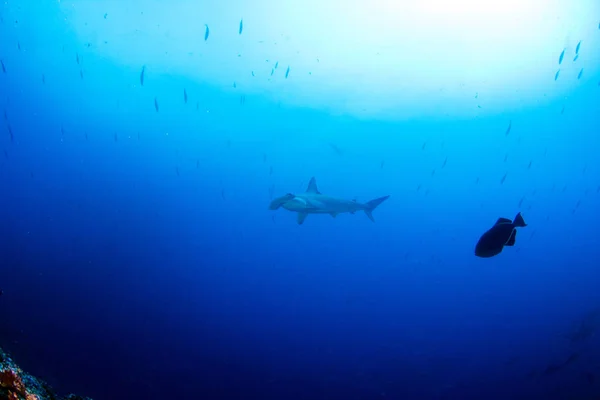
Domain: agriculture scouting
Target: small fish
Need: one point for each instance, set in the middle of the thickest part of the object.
(276, 64)
(503, 233)
(272, 71)
(142, 75)
(509, 128)
(185, 97)
(156, 104)
(19, 46)
(287, 72)
(81, 74)
(503, 179)
(556, 75)
(105, 15)
(234, 85)
(562, 110)
(252, 73)
(521, 201)
(43, 79)
(241, 26)
(576, 57)
(561, 57)
(580, 73)
(529, 166)
(445, 161)
(3, 66)
(77, 58)
(578, 47)
(206, 32)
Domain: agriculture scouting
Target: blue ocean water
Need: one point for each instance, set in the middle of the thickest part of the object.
(143, 141)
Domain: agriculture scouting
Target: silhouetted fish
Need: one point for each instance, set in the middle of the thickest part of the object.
(206, 33)
(503, 233)
(241, 26)
(142, 75)
(578, 47)
(562, 56)
(185, 98)
(287, 72)
(556, 75)
(580, 73)
(156, 104)
(3, 66)
(509, 128)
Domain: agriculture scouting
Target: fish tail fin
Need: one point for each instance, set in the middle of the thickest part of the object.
(372, 205)
(519, 221)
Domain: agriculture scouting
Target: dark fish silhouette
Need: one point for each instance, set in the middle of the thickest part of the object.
(578, 47)
(562, 56)
(2, 65)
(206, 33)
(142, 75)
(503, 233)
(241, 26)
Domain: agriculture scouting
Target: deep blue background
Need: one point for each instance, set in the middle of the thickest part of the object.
(141, 264)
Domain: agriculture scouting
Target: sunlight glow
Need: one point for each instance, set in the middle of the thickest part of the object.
(375, 59)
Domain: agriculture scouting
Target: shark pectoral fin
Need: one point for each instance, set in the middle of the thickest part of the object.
(333, 214)
(301, 218)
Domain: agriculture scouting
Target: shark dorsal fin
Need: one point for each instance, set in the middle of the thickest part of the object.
(312, 186)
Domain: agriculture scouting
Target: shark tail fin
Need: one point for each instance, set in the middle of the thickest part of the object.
(372, 205)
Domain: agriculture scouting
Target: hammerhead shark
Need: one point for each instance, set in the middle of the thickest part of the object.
(314, 202)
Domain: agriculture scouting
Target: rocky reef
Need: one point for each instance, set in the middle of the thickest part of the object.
(15, 384)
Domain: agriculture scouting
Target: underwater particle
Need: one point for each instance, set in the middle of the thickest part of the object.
(270, 170)
(3, 66)
(156, 104)
(562, 110)
(10, 133)
(578, 47)
(561, 57)
(580, 73)
(116, 138)
(503, 233)
(142, 75)
(382, 164)
(19, 46)
(206, 32)
(185, 96)
(529, 165)
(556, 75)
(241, 26)
(287, 72)
(177, 171)
(105, 15)
(576, 57)
(509, 128)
